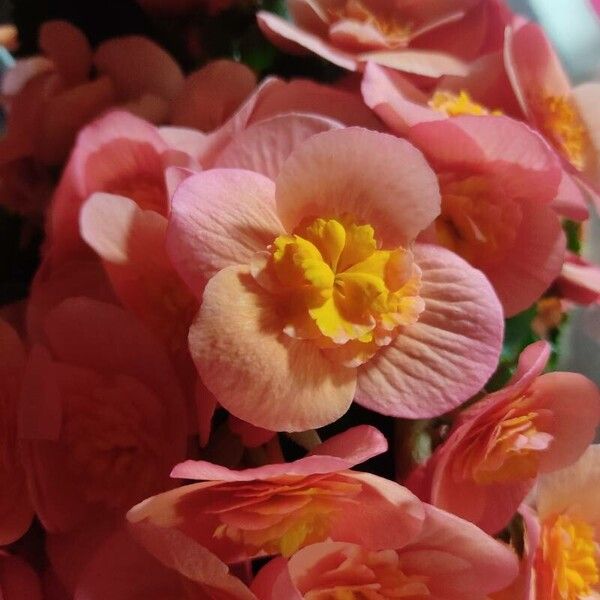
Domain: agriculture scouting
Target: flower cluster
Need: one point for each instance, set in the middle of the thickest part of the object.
(238, 275)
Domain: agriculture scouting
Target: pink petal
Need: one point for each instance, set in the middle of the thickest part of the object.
(587, 99)
(68, 48)
(220, 218)
(275, 382)
(447, 356)
(570, 201)
(377, 178)
(418, 62)
(273, 582)
(137, 65)
(288, 37)
(396, 101)
(265, 145)
(211, 94)
(579, 280)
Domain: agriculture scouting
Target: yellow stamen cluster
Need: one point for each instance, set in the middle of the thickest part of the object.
(341, 290)
(569, 559)
(562, 125)
(455, 105)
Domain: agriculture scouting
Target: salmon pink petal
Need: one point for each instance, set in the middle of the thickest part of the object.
(398, 103)
(570, 200)
(587, 99)
(220, 218)
(377, 178)
(289, 37)
(273, 581)
(575, 404)
(519, 283)
(210, 95)
(254, 370)
(68, 48)
(448, 354)
(579, 280)
(418, 62)
(265, 145)
(305, 96)
(495, 144)
(356, 445)
(137, 65)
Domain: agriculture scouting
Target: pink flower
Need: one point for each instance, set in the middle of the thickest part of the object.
(449, 558)
(278, 508)
(537, 424)
(497, 180)
(18, 581)
(430, 38)
(102, 416)
(313, 293)
(568, 118)
(579, 280)
(15, 508)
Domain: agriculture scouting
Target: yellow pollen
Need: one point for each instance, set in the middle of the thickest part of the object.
(567, 559)
(561, 123)
(477, 221)
(396, 34)
(340, 289)
(455, 105)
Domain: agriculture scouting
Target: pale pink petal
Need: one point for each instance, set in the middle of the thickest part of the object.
(188, 141)
(290, 37)
(68, 48)
(356, 445)
(447, 356)
(305, 96)
(275, 382)
(18, 581)
(265, 145)
(356, 36)
(210, 95)
(418, 62)
(579, 280)
(396, 101)
(219, 218)
(570, 201)
(137, 65)
(375, 177)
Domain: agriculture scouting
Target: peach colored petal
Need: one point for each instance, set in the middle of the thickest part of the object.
(254, 370)
(448, 354)
(265, 145)
(419, 62)
(137, 65)
(219, 218)
(377, 178)
(291, 38)
(211, 95)
(68, 48)
(587, 99)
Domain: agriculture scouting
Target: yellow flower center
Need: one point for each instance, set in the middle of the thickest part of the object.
(455, 105)
(476, 221)
(340, 289)
(562, 125)
(567, 560)
(396, 33)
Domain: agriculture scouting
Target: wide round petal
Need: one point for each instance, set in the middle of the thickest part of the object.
(254, 370)
(220, 218)
(265, 145)
(448, 354)
(137, 65)
(377, 178)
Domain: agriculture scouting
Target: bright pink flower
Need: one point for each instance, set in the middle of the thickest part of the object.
(15, 508)
(537, 424)
(121, 570)
(102, 417)
(497, 180)
(278, 508)
(18, 581)
(430, 38)
(409, 330)
(579, 280)
(448, 559)
(568, 118)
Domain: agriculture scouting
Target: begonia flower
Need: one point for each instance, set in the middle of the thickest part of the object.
(419, 38)
(537, 424)
(102, 416)
(16, 512)
(497, 181)
(567, 117)
(314, 294)
(279, 508)
(579, 280)
(449, 559)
